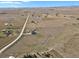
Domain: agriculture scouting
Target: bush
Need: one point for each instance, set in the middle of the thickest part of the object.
(77, 18)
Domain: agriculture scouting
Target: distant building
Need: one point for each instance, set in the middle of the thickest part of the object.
(11, 57)
(3, 30)
(6, 24)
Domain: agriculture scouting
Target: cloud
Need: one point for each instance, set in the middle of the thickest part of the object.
(14, 0)
(14, 4)
(10, 2)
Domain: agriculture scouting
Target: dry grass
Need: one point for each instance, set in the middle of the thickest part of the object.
(57, 32)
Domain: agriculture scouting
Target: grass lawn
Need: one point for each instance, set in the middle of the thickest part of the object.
(2, 34)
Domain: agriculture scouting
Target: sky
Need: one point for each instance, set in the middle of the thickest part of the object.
(25, 3)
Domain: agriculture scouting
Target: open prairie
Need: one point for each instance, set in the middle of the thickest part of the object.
(53, 30)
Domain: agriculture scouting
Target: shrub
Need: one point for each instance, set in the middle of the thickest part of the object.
(77, 18)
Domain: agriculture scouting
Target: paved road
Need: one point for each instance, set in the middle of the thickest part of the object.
(21, 33)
